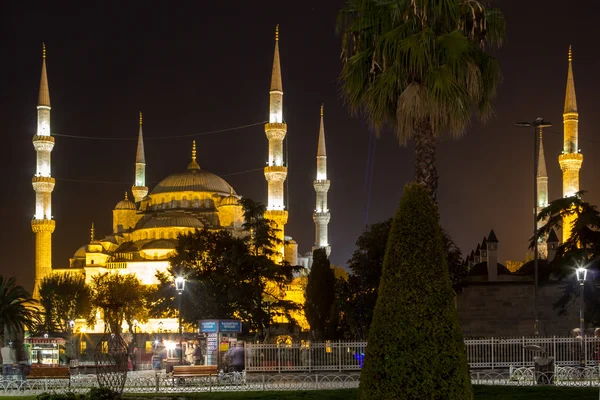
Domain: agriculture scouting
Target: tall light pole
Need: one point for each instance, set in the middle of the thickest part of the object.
(135, 350)
(539, 123)
(72, 328)
(179, 286)
(581, 276)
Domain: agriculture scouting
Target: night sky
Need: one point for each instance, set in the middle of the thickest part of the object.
(206, 67)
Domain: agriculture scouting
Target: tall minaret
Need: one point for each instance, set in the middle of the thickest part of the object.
(571, 159)
(275, 171)
(139, 189)
(321, 215)
(542, 192)
(42, 224)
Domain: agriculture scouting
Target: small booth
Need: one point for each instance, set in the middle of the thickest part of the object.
(44, 351)
(220, 333)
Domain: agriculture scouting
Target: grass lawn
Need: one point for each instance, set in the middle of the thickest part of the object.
(481, 393)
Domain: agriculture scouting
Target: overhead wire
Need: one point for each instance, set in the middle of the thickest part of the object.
(235, 128)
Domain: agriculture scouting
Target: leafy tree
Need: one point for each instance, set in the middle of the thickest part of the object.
(17, 309)
(320, 292)
(120, 297)
(415, 348)
(64, 297)
(421, 67)
(581, 249)
(229, 277)
(357, 296)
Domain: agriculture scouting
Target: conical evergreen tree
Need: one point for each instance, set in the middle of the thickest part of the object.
(320, 296)
(416, 349)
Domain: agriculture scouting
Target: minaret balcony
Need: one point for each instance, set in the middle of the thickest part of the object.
(276, 173)
(320, 218)
(43, 225)
(43, 184)
(43, 143)
(570, 161)
(321, 185)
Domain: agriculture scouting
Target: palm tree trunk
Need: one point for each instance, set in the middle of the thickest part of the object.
(425, 171)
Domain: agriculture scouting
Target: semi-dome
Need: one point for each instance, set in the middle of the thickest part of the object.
(230, 200)
(192, 180)
(160, 244)
(172, 219)
(125, 204)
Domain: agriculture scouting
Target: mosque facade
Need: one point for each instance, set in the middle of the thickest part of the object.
(146, 227)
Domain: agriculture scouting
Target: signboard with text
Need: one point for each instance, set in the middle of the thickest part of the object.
(230, 326)
(209, 326)
(219, 326)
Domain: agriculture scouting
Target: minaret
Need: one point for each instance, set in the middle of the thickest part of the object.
(571, 159)
(275, 171)
(42, 224)
(139, 189)
(542, 193)
(321, 215)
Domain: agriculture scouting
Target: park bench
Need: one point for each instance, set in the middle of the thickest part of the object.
(190, 371)
(50, 373)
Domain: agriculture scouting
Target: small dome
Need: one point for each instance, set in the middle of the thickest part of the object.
(125, 204)
(80, 253)
(230, 201)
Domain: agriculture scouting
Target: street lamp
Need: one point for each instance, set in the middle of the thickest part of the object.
(72, 327)
(135, 351)
(179, 286)
(581, 275)
(538, 124)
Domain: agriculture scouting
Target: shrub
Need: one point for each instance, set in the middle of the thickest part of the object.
(415, 348)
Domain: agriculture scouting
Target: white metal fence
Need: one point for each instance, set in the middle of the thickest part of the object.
(487, 353)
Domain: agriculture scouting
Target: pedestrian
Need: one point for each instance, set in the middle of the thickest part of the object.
(236, 357)
(7, 360)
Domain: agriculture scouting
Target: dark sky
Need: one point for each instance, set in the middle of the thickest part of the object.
(203, 67)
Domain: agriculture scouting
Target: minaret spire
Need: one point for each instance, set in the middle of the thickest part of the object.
(43, 224)
(571, 158)
(139, 189)
(321, 215)
(542, 193)
(275, 171)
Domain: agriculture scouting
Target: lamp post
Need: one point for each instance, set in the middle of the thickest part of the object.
(581, 276)
(179, 286)
(538, 124)
(71, 328)
(135, 350)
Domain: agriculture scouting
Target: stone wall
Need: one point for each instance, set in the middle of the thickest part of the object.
(502, 309)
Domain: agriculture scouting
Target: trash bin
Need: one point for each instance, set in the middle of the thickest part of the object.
(544, 370)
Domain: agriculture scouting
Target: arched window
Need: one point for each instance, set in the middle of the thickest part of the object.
(196, 203)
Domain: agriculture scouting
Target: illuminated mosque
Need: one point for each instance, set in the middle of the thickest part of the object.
(146, 227)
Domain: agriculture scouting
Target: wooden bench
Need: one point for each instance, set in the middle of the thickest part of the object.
(50, 373)
(190, 371)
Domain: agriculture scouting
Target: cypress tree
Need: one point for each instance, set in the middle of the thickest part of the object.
(415, 348)
(320, 295)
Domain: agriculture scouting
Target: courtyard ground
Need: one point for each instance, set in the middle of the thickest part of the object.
(481, 393)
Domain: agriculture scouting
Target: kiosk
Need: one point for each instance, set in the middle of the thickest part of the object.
(219, 333)
(45, 350)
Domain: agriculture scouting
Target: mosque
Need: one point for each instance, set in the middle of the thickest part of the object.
(146, 227)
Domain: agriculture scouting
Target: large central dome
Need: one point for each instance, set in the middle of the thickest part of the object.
(193, 180)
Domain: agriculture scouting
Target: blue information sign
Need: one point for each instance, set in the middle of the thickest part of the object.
(209, 326)
(231, 325)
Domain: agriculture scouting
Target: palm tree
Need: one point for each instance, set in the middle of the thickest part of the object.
(582, 249)
(17, 309)
(421, 67)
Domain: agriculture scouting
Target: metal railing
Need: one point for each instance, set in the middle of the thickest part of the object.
(490, 353)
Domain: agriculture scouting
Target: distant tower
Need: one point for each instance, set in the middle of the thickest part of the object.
(571, 159)
(542, 192)
(42, 224)
(139, 189)
(321, 215)
(275, 171)
(492, 256)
